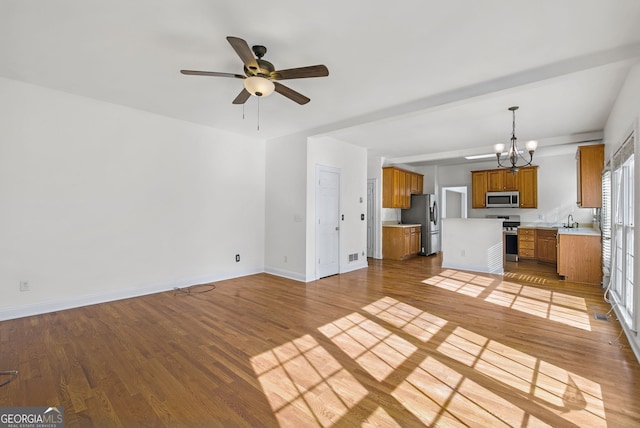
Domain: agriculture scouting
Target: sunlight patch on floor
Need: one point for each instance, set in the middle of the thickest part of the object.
(540, 302)
(375, 348)
(305, 385)
(557, 390)
(419, 324)
(466, 380)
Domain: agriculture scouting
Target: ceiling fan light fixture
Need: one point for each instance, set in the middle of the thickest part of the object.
(259, 86)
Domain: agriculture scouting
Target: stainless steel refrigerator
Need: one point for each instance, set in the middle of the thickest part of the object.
(424, 211)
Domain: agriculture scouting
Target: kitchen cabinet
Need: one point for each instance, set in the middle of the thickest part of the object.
(398, 185)
(501, 180)
(528, 186)
(498, 180)
(400, 242)
(526, 243)
(478, 189)
(589, 165)
(579, 258)
(546, 245)
(417, 184)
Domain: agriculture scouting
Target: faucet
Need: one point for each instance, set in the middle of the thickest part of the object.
(570, 224)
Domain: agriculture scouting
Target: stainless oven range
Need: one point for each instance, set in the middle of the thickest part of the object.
(510, 225)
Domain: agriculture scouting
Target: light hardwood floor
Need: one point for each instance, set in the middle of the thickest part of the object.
(397, 344)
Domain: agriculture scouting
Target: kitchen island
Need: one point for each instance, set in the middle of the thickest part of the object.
(474, 244)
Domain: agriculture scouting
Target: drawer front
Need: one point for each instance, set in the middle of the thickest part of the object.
(529, 245)
(547, 234)
(526, 253)
(526, 232)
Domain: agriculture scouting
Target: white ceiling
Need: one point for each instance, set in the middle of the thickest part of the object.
(418, 81)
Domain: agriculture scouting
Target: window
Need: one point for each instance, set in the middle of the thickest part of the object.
(621, 285)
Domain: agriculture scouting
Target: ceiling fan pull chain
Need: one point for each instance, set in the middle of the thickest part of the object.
(242, 111)
(258, 113)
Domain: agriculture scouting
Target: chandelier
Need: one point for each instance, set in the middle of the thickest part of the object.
(514, 155)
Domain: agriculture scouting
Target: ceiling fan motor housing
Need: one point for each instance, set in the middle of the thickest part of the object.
(265, 68)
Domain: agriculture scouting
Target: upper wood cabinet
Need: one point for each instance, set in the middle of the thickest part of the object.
(589, 164)
(417, 184)
(528, 186)
(498, 180)
(398, 185)
(478, 189)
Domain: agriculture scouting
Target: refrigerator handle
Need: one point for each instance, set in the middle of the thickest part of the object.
(434, 213)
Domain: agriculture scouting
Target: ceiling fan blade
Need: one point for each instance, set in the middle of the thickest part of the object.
(301, 72)
(291, 94)
(211, 73)
(244, 52)
(242, 97)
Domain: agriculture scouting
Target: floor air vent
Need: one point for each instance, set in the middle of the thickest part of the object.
(601, 317)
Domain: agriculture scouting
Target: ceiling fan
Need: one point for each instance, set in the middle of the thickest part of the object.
(261, 77)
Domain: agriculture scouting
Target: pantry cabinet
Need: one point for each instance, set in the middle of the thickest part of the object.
(398, 185)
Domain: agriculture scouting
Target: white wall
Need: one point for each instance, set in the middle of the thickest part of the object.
(101, 201)
(286, 210)
(556, 190)
(625, 117)
(352, 162)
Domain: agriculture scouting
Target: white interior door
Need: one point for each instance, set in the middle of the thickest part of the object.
(327, 221)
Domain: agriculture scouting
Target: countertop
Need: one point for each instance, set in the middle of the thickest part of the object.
(401, 225)
(584, 230)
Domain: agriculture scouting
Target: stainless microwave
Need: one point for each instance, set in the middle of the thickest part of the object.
(503, 199)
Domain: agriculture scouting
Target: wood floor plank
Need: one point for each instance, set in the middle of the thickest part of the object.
(397, 344)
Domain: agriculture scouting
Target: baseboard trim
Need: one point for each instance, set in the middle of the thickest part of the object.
(354, 266)
(286, 274)
(110, 296)
(481, 269)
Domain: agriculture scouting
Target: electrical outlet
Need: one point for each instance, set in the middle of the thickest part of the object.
(237, 257)
(24, 286)
(285, 259)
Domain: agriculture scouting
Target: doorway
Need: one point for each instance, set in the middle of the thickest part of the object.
(454, 202)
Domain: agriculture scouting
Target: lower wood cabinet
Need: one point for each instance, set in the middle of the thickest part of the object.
(546, 245)
(526, 243)
(579, 258)
(401, 242)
